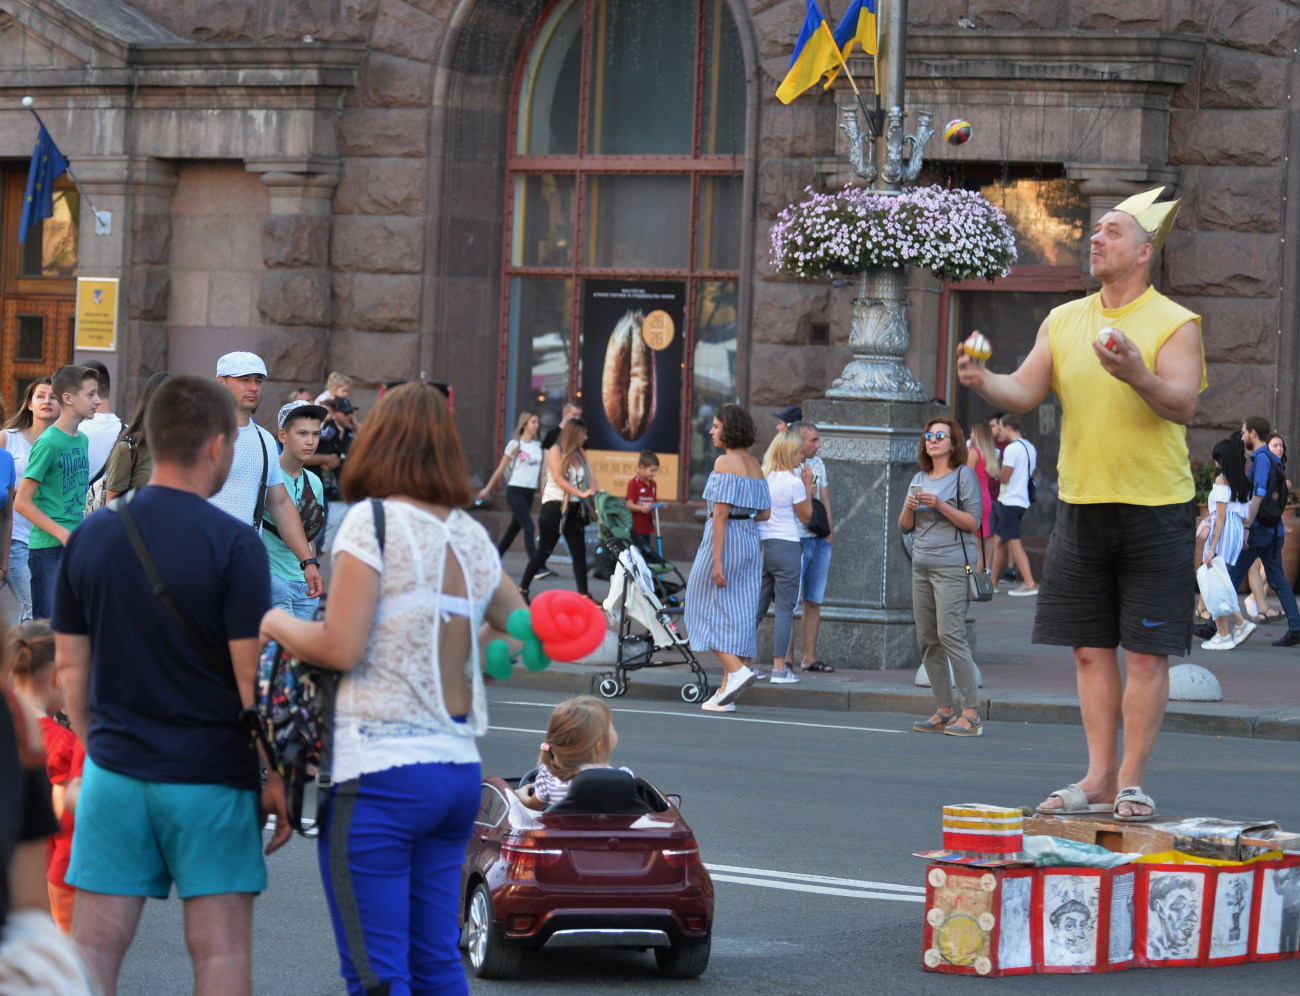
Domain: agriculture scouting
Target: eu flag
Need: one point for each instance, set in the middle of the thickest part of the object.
(814, 53)
(48, 164)
(856, 27)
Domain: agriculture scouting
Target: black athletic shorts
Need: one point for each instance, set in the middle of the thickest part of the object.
(1119, 575)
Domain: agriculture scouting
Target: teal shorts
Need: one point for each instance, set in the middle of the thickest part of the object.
(135, 838)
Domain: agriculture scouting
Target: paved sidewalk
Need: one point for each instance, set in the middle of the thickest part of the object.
(1021, 682)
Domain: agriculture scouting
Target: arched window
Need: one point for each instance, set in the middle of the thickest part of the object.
(622, 249)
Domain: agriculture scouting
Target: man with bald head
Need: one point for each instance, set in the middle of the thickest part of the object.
(1127, 365)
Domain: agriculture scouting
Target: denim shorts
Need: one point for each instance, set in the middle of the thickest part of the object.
(135, 838)
(292, 597)
(816, 568)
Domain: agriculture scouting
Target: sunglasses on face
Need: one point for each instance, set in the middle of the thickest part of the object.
(935, 437)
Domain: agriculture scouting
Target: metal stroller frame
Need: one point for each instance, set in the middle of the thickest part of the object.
(614, 525)
(633, 602)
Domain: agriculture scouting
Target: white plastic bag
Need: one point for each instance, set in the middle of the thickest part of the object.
(1216, 588)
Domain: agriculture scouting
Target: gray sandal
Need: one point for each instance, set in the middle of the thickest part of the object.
(925, 726)
(975, 729)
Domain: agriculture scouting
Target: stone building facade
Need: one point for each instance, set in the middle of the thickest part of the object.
(340, 185)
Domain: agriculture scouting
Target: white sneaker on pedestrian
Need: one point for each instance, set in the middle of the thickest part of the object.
(711, 705)
(786, 677)
(1218, 642)
(543, 574)
(735, 683)
(1240, 634)
(1021, 590)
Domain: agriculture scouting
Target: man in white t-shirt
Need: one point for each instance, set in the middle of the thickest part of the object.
(816, 550)
(1019, 461)
(257, 466)
(101, 429)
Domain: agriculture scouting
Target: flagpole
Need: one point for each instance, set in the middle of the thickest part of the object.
(872, 123)
(103, 219)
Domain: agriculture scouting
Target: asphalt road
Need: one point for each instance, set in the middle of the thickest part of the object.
(781, 801)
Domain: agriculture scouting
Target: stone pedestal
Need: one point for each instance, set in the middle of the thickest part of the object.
(870, 452)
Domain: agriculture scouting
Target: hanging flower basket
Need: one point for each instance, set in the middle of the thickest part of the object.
(955, 234)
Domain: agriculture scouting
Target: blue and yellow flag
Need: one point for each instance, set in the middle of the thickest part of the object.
(814, 53)
(856, 27)
(47, 166)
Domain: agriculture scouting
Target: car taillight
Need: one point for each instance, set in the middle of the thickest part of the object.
(525, 855)
(685, 856)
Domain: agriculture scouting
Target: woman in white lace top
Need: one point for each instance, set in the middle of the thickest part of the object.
(407, 619)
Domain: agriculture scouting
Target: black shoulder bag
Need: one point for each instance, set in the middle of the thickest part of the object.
(979, 584)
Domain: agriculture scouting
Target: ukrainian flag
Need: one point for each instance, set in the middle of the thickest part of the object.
(857, 27)
(814, 53)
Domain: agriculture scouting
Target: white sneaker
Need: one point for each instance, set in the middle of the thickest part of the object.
(1218, 642)
(711, 705)
(736, 682)
(1240, 634)
(786, 677)
(1022, 590)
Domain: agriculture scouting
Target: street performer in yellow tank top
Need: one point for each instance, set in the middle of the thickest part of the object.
(1117, 571)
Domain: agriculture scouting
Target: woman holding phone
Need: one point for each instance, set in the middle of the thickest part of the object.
(942, 512)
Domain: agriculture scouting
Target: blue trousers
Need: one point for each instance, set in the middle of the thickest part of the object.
(1266, 546)
(391, 849)
(44, 565)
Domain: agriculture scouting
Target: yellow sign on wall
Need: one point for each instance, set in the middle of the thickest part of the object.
(97, 313)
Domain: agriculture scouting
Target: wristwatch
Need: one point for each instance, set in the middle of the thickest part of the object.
(302, 564)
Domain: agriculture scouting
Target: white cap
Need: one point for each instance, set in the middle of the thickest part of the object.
(240, 364)
(314, 411)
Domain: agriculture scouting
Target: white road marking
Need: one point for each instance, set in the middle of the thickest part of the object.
(821, 879)
(714, 717)
(821, 890)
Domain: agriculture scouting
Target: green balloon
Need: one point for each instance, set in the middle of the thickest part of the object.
(535, 658)
(520, 625)
(498, 660)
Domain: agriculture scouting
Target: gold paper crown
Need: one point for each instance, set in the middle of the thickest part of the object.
(1156, 219)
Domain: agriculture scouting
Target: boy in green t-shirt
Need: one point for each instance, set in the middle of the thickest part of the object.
(52, 493)
(299, 433)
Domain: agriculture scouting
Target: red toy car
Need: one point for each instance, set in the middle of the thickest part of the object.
(613, 864)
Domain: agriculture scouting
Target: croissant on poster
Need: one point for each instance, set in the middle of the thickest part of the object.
(627, 385)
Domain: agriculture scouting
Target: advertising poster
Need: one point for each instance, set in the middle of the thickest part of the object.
(632, 378)
(96, 313)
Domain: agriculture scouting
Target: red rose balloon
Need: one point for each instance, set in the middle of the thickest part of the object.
(569, 625)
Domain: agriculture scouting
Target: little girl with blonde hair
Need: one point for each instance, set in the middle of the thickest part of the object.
(579, 735)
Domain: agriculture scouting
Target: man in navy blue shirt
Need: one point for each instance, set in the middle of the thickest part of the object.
(170, 793)
(1265, 542)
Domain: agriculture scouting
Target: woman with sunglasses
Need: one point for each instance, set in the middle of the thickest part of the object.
(942, 512)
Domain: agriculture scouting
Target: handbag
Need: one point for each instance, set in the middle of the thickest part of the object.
(820, 523)
(979, 584)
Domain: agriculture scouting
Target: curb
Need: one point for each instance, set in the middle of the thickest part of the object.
(864, 695)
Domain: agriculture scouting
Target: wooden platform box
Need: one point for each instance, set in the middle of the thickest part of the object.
(1017, 921)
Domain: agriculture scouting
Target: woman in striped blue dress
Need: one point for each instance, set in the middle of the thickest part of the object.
(722, 590)
(1229, 502)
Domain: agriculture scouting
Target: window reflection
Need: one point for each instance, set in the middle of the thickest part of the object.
(548, 118)
(543, 220)
(724, 84)
(721, 209)
(537, 366)
(52, 250)
(639, 222)
(1049, 215)
(642, 78)
(714, 371)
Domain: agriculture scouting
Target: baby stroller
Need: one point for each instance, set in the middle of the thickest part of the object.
(648, 636)
(614, 524)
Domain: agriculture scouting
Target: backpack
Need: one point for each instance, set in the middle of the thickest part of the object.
(1273, 504)
(1033, 488)
(292, 715)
